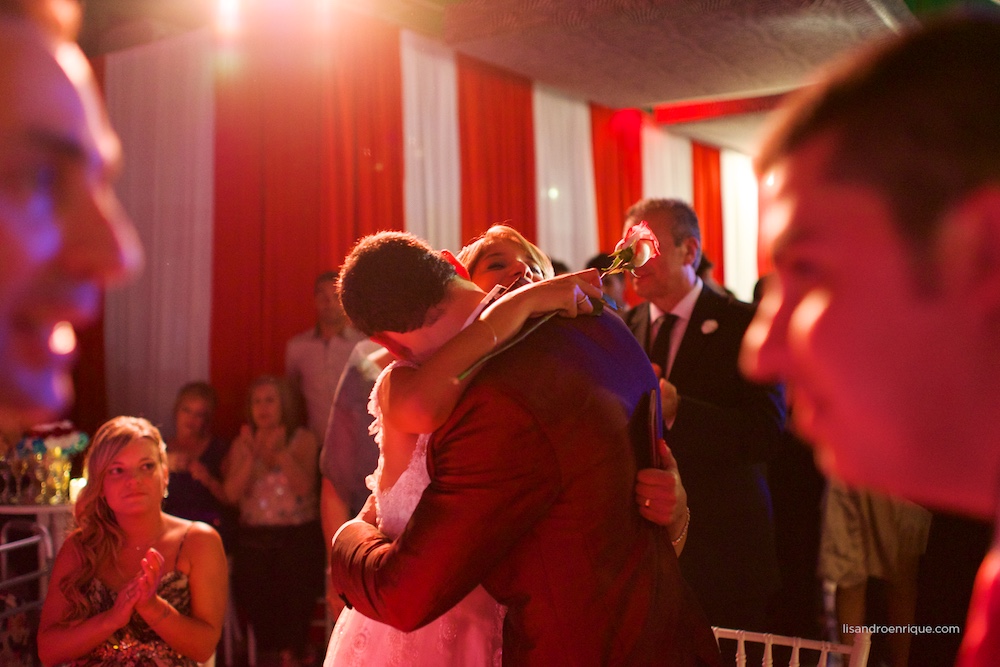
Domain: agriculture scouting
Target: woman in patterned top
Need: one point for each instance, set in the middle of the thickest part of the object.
(133, 585)
(272, 475)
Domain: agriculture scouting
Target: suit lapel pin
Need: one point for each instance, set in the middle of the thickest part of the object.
(709, 326)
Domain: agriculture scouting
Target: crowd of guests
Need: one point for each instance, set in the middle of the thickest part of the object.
(261, 491)
(144, 578)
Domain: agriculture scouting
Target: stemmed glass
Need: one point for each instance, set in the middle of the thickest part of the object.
(59, 471)
(19, 467)
(5, 477)
(41, 473)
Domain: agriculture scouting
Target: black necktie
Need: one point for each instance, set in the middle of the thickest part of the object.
(659, 351)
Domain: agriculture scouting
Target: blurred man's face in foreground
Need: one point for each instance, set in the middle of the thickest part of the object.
(883, 369)
(63, 234)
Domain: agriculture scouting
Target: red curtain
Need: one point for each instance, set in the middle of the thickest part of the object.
(308, 157)
(497, 149)
(363, 163)
(708, 204)
(617, 141)
(90, 409)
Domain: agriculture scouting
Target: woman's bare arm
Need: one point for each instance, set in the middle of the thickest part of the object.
(60, 640)
(197, 635)
(418, 400)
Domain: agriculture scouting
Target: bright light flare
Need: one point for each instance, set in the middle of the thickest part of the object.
(63, 339)
(324, 13)
(228, 17)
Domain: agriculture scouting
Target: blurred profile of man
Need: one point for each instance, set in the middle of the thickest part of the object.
(881, 208)
(63, 234)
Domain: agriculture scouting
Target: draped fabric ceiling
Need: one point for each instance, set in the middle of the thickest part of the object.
(304, 132)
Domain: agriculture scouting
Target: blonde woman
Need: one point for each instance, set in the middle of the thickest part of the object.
(133, 585)
(502, 256)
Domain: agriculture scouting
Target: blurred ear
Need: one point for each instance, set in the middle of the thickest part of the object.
(691, 247)
(970, 250)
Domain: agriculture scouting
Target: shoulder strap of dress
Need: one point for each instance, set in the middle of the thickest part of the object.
(181, 546)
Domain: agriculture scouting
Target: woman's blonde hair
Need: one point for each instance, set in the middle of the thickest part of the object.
(98, 535)
(470, 255)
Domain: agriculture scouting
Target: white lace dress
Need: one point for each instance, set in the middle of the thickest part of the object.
(470, 634)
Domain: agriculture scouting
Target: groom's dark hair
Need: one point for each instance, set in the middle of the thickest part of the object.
(390, 281)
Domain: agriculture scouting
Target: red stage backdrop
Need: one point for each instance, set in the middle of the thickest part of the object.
(617, 140)
(308, 159)
(497, 149)
(708, 204)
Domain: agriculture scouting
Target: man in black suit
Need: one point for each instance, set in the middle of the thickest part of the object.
(720, 427)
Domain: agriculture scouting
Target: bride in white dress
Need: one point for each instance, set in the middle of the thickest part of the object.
(470, 634)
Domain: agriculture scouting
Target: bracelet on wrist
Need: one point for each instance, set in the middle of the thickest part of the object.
(684, 531)
(161, 617)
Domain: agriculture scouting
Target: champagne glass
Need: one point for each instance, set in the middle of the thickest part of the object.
(18, 467)
(59, 471)
(41, 474)
(6, 478)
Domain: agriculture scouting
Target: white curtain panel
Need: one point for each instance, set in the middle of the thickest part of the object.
(666, 165)
(432, 176)
(160, 100)
(739, 222)
(564, 177)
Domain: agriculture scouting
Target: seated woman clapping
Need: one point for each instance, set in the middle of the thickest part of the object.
(132, 584)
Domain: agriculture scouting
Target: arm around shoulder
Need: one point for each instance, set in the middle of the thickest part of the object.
(478, 482)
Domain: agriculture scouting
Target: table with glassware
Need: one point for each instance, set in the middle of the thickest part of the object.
(34, 485)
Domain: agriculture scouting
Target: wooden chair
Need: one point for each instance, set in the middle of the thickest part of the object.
(857, 653)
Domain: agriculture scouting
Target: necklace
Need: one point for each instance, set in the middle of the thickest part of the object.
(143, 548)
(124, 562)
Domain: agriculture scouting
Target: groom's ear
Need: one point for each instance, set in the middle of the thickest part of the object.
(387, 340)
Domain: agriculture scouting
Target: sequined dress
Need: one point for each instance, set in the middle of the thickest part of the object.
(468, 635)
(136, 644)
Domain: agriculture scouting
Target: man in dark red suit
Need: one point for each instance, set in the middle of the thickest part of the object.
(531, 491)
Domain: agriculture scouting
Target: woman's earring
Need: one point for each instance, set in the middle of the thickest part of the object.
(166, 491)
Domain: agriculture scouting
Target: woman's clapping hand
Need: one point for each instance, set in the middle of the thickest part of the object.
(147, 581)
(260, 446)
(121, 611)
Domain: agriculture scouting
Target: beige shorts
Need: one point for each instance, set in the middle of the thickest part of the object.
(867, 534)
